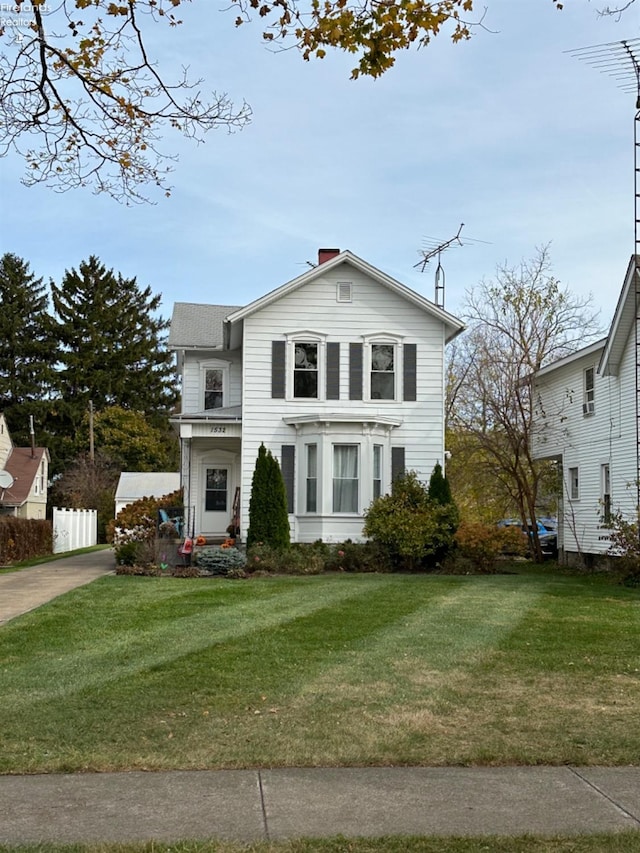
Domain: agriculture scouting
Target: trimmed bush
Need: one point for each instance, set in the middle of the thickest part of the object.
(351, 556)
(219, 561)
(24, 539)
(415, 531)
(268, 516)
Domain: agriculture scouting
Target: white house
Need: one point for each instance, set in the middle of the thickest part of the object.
(340, 373)
(587, 416)
(24, 476)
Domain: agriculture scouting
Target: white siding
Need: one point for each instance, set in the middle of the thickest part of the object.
(374, 309)
(192, 378)
(587, 442)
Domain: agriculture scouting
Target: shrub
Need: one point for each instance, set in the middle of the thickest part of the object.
(482, 544)
(351, 556)
(625, 548)
(296, 560)
(219, 561)
(415, 530)
(268, 516)
(24, 538)
(137, 523)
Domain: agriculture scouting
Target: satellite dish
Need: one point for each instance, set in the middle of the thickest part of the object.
(6, 480)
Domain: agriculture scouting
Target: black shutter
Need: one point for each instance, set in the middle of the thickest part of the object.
(397, 463)
(288, 465)
(333, 370)
(355, 371)
(409, 371)
(277, 369)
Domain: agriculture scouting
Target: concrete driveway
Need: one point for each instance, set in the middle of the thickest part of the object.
(27, 589)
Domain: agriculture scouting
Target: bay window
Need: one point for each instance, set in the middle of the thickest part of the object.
(345, 478)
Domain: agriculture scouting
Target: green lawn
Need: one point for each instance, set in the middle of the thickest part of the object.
(332, 670)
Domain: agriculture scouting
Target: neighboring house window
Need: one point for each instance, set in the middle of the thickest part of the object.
(383, 377)
(305, 370)
(345, 478)
(215, 495)
(312, 478)
(606, 495)
(42, 477)
(588, 404)
(377, 471)
(213, 388)
(574, 484)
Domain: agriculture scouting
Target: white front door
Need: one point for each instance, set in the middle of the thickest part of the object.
(216, 499)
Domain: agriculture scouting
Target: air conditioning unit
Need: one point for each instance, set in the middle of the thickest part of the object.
(588, 408)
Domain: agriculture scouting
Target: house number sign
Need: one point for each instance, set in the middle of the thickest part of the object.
(218, 429)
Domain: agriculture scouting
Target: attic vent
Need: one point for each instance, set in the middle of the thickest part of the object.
(343, 291)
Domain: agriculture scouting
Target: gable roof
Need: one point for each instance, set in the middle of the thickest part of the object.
(134, 485)
(622, 324)
(452, 325)
(198, 325)
(23, 467)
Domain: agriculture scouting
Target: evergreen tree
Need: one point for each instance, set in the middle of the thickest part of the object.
(439, 489)
(28, 348)
(268, 517)
(113, 350)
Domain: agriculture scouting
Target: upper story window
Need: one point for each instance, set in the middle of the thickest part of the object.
(382, 366)
(213, 388)
(588, 398)
(383, 377)
(214, 384)
(305, 369)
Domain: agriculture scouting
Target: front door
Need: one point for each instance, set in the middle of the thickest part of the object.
(216, 496)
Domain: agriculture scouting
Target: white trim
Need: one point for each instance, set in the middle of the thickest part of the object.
(213, 364)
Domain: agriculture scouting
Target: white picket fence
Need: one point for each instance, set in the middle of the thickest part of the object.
(74, 528)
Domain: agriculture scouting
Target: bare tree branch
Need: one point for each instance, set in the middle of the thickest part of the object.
(89, 94)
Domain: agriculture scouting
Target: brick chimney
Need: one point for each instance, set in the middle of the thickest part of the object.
(327, 254)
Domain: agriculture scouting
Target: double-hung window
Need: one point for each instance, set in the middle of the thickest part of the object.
(214, 384)
(383, 376)
(305, 369)
(377, 471)
(213, 388)
(605, 477)
(574, 484)
(312, 477)
(345, 478)
(588, 399)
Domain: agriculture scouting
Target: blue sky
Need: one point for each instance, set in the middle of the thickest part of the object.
(506, 133)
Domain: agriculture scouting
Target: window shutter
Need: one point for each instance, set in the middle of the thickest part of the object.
(355, 371)
(277, 369)
(409, 372)
(288, 457)
(397, 463)
(333, 370)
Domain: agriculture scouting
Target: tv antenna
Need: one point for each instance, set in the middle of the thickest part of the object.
(433, 247)
(621, 61)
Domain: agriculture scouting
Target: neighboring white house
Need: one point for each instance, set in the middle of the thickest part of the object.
(24, 476)
(587, 417)
(135, 485)
(340, 373)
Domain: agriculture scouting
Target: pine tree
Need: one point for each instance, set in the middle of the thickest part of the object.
(113, 350)
(28, 348)
(439, 489)
(268, 518)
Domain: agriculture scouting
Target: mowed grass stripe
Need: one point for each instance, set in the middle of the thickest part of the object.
(104, 648)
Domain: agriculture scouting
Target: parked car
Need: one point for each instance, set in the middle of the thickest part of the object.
(547, 536)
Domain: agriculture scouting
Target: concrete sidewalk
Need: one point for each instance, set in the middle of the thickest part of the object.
(253, 805)
(29, 588)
